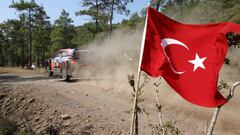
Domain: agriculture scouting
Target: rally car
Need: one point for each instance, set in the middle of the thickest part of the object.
(65, 61)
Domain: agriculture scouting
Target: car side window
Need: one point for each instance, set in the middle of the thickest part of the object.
(64, 54)
(57, 55)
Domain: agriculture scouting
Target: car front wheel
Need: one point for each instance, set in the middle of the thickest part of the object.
(65, 76)
(49, 72)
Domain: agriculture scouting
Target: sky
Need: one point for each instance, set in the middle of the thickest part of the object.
(54, 8)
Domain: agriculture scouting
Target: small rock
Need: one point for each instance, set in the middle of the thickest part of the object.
(86, 120)
(22, 125)
(86, 94)
(69, 132)
(67, 123)
(8, 109)
(2, 96)
(45, 124)
(7, 100)
(65, 116)
(22, 98)
(37, 119)
(31, 100)
(38, 126)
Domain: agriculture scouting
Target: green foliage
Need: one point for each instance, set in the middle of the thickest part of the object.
(12, 40)
(96, 11)
(63, 33)
(233, 39)
(84, 34)
(223, 85)
(24, 5)
(41, 35)
(134, 20)
(168, 128)
(118, 6)
(7, 127)
(30, 8)
(202, 11)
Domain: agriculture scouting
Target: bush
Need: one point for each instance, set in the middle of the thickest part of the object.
(7, 127)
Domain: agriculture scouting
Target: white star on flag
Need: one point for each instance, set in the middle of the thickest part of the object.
(198, 62)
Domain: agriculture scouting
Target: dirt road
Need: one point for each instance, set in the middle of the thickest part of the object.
(41, 105)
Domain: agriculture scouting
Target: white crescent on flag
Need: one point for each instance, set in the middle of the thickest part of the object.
(170, 41)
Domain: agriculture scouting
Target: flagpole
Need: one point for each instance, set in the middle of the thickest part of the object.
(134, 129)
(217, 110)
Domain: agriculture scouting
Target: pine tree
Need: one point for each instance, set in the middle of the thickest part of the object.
(28, 8)
(42, 32)
(63, 32)
(96, 11)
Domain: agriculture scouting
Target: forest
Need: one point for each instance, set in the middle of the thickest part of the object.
(32, 38)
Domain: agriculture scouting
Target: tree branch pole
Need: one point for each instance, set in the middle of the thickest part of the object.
(217, 110)
(159, 106)
(134, 112)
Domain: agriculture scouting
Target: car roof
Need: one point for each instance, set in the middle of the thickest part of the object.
(67, 50)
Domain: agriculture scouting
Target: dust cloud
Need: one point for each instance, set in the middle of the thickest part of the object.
(116, 57)
(234, 56)
(231, 73)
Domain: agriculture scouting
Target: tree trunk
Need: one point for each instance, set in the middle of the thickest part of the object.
(158, 5)
(111, 17)
(38, 57)
(22, 52)
(182, 14)
(1, 55)
(65, 44)
(97, 15)
(30, 38)
(43, 56)
(97, 20)
(12, 58)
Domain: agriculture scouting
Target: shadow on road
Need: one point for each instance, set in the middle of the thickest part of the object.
(4, 78)
(70, 81)
(3, 72)
(7, 77)
(74, 80)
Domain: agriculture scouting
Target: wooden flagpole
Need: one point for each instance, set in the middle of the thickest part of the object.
(217, 110)
(134, 125)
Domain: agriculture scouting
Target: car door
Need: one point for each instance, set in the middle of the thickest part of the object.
(56, 60)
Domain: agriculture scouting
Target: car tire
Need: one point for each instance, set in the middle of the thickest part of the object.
(65, 76)
(49, 72)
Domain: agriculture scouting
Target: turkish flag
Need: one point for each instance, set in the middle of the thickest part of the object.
(188, 57)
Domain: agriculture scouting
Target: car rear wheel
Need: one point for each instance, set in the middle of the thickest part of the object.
(65, 76)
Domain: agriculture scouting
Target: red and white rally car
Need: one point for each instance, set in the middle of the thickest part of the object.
(65, 61)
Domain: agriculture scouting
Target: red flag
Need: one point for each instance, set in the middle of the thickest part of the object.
(188, 57)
